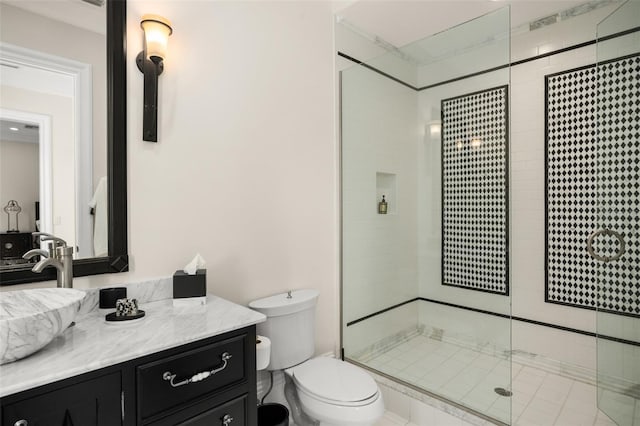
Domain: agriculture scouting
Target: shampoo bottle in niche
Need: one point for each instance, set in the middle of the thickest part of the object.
(382, 206)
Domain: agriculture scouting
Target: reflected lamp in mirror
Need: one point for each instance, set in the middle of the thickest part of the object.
(435, 128)
(12, 209)
(151, 63)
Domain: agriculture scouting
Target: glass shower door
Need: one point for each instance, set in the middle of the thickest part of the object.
(425, 212)
(616, 242)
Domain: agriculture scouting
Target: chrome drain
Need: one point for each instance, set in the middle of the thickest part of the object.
(503, 392)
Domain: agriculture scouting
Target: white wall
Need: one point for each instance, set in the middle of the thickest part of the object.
(245, 168)
(60, 110)
(19, 181)
(23, 28)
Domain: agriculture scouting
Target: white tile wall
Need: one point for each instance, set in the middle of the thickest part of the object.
(491, 332)
(379, 134)
(559, 35)
(429, 197)
(360, 336)
(527, 213)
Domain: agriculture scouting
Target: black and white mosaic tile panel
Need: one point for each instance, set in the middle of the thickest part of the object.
(474, 191)
(593, 182)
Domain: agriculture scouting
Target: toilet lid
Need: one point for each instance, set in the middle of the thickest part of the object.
(335, 380)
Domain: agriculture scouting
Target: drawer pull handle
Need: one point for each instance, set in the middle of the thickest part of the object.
(227, 419)
(26, 423)
(168, 376)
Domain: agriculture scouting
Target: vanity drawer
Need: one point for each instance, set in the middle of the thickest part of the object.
(157, 393)
(230, 413)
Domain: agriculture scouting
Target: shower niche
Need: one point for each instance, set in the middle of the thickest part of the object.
(386, 187)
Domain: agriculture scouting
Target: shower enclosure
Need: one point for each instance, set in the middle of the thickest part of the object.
(475, 283)
(426, 285)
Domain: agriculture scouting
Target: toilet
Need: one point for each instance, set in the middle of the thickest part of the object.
(322, 390)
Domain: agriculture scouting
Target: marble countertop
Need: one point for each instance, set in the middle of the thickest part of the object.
(93, 343)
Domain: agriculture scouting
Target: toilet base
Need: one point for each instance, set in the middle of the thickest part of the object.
(295, 407)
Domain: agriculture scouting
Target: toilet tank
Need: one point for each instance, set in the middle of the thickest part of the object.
(290, 326)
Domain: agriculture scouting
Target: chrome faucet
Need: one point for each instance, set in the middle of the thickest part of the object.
(59, 255)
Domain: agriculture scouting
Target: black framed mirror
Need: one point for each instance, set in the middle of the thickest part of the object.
(117, 259)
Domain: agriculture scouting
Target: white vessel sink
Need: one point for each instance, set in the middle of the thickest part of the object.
(30, 319)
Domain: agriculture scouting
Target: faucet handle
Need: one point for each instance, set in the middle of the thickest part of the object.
(49, 237)
(41, 234)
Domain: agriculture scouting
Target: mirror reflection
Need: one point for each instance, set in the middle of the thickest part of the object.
(53, 125)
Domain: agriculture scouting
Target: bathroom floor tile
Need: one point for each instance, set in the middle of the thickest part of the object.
(603, 420)
(554, 391)
(572, 417)
(480, 399)
(391, 419)
(469, 377)
(532, 416)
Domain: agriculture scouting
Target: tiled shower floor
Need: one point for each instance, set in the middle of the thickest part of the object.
(539, 397)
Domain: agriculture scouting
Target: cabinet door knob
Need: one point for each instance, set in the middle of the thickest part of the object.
(21, 423)
(227, 419)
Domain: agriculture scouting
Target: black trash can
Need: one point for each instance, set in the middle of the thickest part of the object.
(273, 415)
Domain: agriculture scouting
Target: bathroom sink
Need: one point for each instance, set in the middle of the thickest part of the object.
(30, 319)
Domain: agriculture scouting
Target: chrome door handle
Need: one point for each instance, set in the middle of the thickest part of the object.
(608, 232)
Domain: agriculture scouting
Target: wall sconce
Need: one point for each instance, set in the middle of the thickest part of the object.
(151, 63)
(435, 128)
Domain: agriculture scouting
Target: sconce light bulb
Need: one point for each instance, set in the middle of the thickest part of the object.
(156, 32)
(435, 127)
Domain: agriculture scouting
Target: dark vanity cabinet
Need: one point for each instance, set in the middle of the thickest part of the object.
(209, 382)
(13, 245)
(92, 401)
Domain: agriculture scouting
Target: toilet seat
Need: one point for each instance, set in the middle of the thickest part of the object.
(333, 402)
(335, 382)
(335, 392)
(334, 414)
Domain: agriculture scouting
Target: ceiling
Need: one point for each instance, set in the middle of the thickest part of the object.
(36, 79)
(78, 13)
(26, 132)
